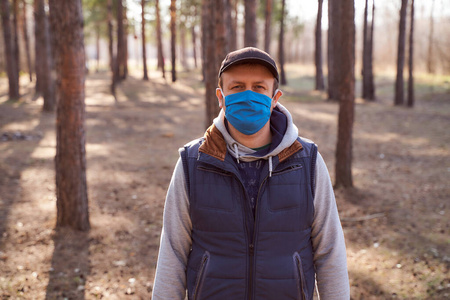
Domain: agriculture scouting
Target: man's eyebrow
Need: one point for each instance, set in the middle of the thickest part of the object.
(236, 82)
(260, 82)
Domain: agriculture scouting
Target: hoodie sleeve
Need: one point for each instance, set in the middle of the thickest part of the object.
(170, 276)
(328, 242)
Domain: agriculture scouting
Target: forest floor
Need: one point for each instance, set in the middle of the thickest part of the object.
(396, 218)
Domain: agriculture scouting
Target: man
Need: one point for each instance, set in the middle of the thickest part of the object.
(250, 212)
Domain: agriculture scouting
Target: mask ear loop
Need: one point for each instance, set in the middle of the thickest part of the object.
(223, 96)
(275, 93)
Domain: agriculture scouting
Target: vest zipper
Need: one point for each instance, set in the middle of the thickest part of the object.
(200, 276)
(255, 228)
(301, 276)
(250, 239)
(253, 241)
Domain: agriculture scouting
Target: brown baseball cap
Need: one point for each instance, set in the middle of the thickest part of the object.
(249, 55)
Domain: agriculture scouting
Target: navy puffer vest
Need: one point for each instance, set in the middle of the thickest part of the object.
(237, 256)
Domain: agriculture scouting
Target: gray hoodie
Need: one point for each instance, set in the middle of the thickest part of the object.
(327, 237)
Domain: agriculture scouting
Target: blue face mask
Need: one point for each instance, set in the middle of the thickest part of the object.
(247, 111)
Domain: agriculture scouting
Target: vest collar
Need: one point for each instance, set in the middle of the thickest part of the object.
(215, 145)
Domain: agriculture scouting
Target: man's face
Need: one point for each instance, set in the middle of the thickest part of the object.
(240, 78)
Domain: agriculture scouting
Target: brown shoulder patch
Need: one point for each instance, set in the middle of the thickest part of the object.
(214, 143)
(283, 155)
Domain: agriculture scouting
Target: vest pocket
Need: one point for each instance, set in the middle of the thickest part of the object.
(200, 276)
(301, 284)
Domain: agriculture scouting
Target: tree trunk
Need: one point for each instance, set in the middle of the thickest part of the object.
(267, 25)
(250, 29)
(70, 162)
(344, 45)
(401, 55)
(9, 51)
(430, 58)
(124, 57)
(320, 86)
(16, 38)
(204, 28)
(173, 36)
(283, 80)
(159, 42)
(43, 57)
(26, 39)
(220, 33)
(228, 24)
(37, 47)
(333, 23)
(365, 55)
(144, 48)
(118, 66)
(370, 80)
(210, 64)
(411, 59)
(194, 42)
(233, 28)
(110, 35)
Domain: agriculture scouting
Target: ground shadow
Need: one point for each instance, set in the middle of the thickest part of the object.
(70, 265)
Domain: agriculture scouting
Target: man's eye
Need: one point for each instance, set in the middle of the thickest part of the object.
(235, 87)
(260, 87)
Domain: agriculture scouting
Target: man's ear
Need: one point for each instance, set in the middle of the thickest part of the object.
(220, 97)
(278, 94)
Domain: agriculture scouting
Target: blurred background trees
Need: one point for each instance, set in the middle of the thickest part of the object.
(125, 37)
(246, 22)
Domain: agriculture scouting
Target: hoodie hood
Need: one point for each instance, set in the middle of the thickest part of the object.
(284, 134)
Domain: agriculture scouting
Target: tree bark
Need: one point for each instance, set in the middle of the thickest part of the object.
(365, 54)
(233, 28)
(43, 57)
(110, 35)
(210, 64)
(37, 48)
(267, 25)
(124, 57)
(399, 96)
(370, 81)
(144, 48)
(204, 28)
(320, 86)
(250, 29)
(283, 80)
(410, 101)
(15, 35)
(159, 38)
(26, 39)
(173, 36)
(117, 62)
(13, 79)
(228, 25)
(70, 162)
(221, 49)
(344, 45)
(333, 22)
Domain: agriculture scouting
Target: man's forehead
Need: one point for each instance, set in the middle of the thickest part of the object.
(248, 71)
